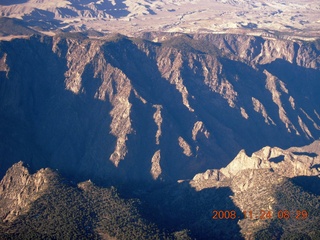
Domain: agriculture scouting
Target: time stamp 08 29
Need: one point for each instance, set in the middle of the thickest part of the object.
(263, 215)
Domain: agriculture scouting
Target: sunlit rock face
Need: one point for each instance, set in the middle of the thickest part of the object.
(19, 189)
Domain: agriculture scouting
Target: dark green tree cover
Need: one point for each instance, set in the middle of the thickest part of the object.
(294, 198)
(85, 212)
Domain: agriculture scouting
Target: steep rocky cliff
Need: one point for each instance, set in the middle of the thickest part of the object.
(120, 108)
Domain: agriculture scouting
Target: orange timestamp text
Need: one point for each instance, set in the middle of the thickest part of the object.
(263, 215)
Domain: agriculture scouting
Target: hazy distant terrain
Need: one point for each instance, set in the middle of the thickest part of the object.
(301, 18)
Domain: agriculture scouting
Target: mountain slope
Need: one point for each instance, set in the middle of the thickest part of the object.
(130, 108)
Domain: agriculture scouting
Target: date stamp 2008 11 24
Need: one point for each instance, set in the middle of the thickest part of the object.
(264, 214)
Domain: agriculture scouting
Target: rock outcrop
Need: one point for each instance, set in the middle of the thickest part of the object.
(19, 189)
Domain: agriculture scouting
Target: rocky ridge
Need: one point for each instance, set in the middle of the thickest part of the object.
(289, 163)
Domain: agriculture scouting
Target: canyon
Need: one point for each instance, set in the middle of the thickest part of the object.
(143, 134)
(137, 109)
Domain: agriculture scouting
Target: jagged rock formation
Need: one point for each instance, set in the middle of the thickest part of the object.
(285, 163)
(290, 163)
